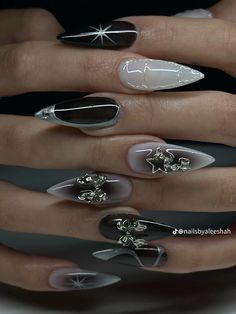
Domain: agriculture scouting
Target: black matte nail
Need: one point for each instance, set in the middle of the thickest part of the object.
(133, 231)
(145, 256)
(113, 35)
(87, 112)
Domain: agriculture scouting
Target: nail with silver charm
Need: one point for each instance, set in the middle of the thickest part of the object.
(155, 158)
(94, 188)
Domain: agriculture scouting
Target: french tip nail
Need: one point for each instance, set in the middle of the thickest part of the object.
(79, 279)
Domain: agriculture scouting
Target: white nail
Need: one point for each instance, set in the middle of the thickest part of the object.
(196, 13)
(152, 75)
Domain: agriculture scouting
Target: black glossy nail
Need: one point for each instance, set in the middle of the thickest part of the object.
(113, 35)
(133, 231)
(145, 256)
(88, 112)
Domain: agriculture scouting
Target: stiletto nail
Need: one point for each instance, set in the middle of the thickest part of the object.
(95, 188)
(160, 158)
(88, 112)
(153, 75)
(78, 279)
(113, 35)
(196, 13)
(132, 230)
(145, 256)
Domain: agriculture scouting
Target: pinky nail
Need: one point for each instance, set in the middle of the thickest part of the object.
(78, 279)
(94, 188)
(196, 13)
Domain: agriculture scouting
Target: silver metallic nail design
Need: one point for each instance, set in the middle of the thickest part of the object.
(153, 75)
(164, 161)
(145, 256)
(162, 158)
(94, 188)
(78, 279)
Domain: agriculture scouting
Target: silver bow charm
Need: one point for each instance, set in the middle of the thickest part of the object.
(96, 194)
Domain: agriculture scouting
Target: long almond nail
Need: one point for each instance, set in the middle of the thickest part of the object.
(153, 75)
(160, 158)
(78, 279)
(87, 112)
(94, 188)
(146, 256)
(112, 35)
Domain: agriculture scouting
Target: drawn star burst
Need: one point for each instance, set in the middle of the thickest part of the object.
(78, 283)
(102, 32)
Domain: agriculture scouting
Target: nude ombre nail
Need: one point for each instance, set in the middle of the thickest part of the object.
(155, 158)
(95, 188)
(153, 75)
(64, 279)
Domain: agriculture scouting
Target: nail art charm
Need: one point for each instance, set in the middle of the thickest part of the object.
(113, 35)
(87, 112)
(94, 188)
(132, 230)
(161, 158)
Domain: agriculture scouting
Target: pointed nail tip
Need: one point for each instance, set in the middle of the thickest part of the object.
(100, 255)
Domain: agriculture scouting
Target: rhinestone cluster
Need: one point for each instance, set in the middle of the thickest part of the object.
(96, 195)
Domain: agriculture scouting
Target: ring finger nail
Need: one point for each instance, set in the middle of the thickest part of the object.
(87, 112)
(78, 279)
(116, 35)
(157, 158)
(132, 230)
(152, 75)
(145, 256)
(95, 188)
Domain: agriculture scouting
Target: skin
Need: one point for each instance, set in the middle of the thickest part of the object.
(31, 50)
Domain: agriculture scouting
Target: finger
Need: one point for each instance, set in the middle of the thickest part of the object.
(27, 24)
(207, 42)
(179, 255)
(34, 143)
(39, 273)
(225, 9)
(215, 186)
(166, 115)
(24, 68)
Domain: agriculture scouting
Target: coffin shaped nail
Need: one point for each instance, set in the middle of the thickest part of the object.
(87, 112)
(145, 256)
(79, 279)
(153, 75)
(95, 188)
(132, 230)
(196, 13)
(113, 35)
(160, 158)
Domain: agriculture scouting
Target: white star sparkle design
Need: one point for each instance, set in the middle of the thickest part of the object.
(78, 283)
(102, 32)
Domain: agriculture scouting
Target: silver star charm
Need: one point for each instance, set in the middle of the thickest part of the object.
(76, 283)
(102, 33)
